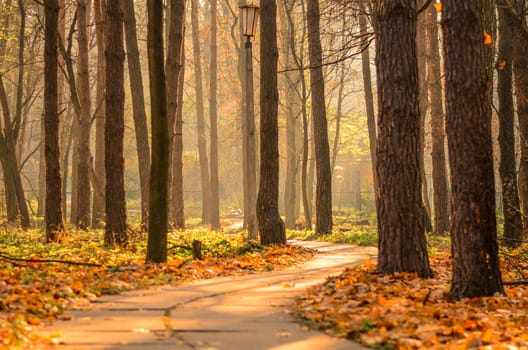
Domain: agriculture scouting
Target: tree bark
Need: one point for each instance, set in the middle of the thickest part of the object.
(323, 196)
(98, 205)
(200, 115)
(85, 118)
(138, 105)
(440, 188)
(510, 196)
(213, 116)
(115, 231)
(175, 56)
(520, 71)
(468, 125)
(53, 216)
(402, 246)
(271, 227)
(159, 171)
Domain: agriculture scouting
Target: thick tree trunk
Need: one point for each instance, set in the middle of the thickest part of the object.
(138, 105)
(200, 115)
(98, 207)
(213, 116)
(175, 57)
(53, 217)
(323, 195)
(402, 246)
(159, 171)
(468, 125)
(510, 196)
(271, 227)
(116, 227)
(85, 121)
(440, 188)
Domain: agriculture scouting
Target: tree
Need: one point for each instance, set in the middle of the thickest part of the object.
(468, 126)
(440, 188)
(402, 245)
(174, 77)
(159, 170)
(138, 105)
(213, 116)
(53, 210)
(85, 118)
(323, 196)
(200, 115)
(508, 172)
(271, 227)
(98, 204)
(115, 231)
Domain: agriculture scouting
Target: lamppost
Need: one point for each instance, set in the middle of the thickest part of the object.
(249, 19)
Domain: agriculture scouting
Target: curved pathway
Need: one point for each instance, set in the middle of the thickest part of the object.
(229, 313)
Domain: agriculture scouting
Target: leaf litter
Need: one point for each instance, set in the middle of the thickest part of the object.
(402, 311)
(33, 291)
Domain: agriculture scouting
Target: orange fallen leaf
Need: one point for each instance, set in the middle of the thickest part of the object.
(487, 38)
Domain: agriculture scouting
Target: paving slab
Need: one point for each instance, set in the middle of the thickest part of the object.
(249, 312)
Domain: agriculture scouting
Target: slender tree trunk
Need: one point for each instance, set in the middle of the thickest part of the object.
(115, 231)
(175, 56)
(510, 196)
(215, 200)
(98, 207)
(159, 171)
(291, 108)
(13, 171)
(369, 96)
(306, 184)
(468, 126)
(402, 246)
(323, 196)
(200, 115)
(68, 126)
(339, 114)
(421, 54)
(440, 188)
(53, 217)
(138, 105)
(271, 227)
(85, 121)
(520, 70)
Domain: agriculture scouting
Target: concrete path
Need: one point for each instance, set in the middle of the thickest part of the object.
(229, 313)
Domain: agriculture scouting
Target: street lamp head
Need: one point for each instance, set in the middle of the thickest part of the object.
(249, 19)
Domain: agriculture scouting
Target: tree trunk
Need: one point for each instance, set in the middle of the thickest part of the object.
(468, 125)
(98, 207)
(510, 196)
(159, 171)
(323, 195)
(369, 96)
(175, 57)
(440, 188)
(271, 227)
(13, 169)
(215, 200)
(138, 105)
(115, 231)
(53, 217)
(402, 246)
(85, 121)
(422, 101)
(520, 70)
(200, 115)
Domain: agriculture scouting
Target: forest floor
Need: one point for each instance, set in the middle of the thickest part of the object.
(243, 312)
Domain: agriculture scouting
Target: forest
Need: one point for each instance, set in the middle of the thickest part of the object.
(148, 143)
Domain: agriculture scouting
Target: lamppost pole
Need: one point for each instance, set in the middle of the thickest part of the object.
(249, 21)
